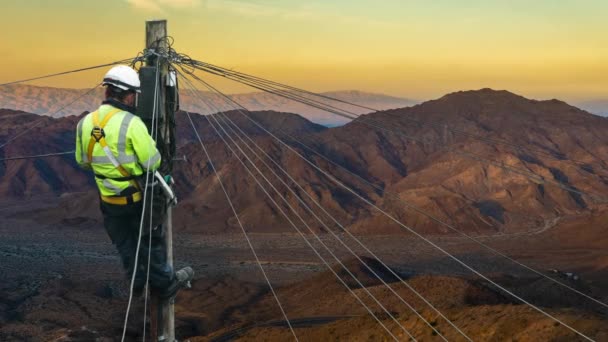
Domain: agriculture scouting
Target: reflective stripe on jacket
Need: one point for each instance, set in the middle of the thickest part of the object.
(128, 139)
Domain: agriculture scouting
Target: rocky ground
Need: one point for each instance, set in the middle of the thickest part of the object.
(62, 282)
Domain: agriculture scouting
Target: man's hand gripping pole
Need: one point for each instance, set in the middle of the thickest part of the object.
(166, 188)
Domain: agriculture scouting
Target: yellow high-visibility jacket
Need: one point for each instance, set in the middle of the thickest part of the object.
(130, 144)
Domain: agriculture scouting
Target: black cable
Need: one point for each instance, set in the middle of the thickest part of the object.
(441, 221)
(379, 125)
(411, 230)
(217, 70)
(43, 118)
(434, 218)
(140, 57)
(69, 72)
(38, 156)
(294, 211)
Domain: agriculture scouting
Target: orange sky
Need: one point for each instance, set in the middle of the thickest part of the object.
(416, 49)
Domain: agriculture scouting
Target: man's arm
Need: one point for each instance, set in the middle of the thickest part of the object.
(78, 155)
(144, 146)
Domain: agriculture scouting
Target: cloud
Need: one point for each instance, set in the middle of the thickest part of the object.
(160, 5)
(301, 12)
(260, 8)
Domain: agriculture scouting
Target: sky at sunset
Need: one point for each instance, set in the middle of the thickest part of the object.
(415, 49)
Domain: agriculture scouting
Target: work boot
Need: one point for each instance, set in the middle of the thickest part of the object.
(182, 279)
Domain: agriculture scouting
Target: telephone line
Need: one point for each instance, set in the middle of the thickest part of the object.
(220, 71)
(302, 234)
(68, 72)
(226, 117)
(448, 254)
(440, 221)
(378, 125)
(255, 255)
(37, 156)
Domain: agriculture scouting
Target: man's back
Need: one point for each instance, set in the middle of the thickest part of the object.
(126, 141)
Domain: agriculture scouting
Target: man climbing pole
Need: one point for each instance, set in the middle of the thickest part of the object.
(116, 146)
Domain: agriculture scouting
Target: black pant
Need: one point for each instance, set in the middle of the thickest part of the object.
(122, 223)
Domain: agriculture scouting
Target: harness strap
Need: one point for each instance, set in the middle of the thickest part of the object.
(99, 136)
(118, 179)
(123, 200)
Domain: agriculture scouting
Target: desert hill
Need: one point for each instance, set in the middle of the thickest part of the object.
(24, 178)
(426, 172)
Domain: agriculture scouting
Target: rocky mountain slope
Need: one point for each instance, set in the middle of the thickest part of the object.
(31, 177)
(459, 180)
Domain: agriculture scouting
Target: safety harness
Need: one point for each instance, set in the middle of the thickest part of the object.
(98, 136)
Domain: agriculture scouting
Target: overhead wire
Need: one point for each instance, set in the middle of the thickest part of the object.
(132, 61)
(445, 252)
(44, 118)
(154, 132)
(37, 156)
(366, 120)
(255, 255)
(236, 144)
(304, 237)
(331, 253)
(327, 228)
(169, 57)
(220, 71)
(86, 92)
(444, 223)
(440, 221)
(379, 125)
(293, 224)
(243, 134)
(68, 72)
(142, 218)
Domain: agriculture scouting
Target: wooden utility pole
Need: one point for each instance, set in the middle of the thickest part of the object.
(162, 311)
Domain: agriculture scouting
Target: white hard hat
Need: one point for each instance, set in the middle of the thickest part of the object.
(123, 77)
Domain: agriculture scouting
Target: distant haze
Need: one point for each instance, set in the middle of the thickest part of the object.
(47, 101)
(598, 106)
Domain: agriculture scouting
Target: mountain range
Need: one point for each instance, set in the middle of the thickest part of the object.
(486, 161)
(50, 101)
